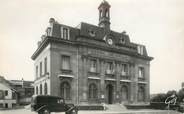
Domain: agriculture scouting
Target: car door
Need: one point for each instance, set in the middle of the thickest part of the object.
(60, 105)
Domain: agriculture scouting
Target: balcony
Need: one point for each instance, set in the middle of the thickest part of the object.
(109, 72)
(66, 71)
(125, 77)
(141, 79)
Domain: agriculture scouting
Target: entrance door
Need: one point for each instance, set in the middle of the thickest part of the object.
(6, 105)
(109, 90)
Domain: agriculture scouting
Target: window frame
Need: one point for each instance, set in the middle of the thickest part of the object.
(69, 62)
(41, 72)
(110, 69)
(141, 72)
(41, 88)
(93, 91)
(65, 89)
(6, 92)
(65, 34)
(37, 69)
(45, 88)
(124, 69)
(93, 65)
(45, 65)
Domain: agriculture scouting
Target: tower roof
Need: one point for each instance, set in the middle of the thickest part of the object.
(104, 3)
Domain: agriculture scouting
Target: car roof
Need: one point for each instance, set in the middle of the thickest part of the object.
(47, 96)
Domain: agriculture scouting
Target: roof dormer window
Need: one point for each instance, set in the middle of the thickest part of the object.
(140, 49)
(48, 31)
(65, 33)
(123, 40)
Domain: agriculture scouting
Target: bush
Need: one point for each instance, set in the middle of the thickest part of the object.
(158, 102)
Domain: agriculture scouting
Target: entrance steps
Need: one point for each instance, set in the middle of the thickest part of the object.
(115, 107)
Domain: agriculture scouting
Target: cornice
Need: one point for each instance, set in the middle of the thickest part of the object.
(48, 40)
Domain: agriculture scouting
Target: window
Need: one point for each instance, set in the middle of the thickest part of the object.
(65, 33)
(40, 69)
(65, 90)
(141, 94)
(45, 64)
(36, 90)
(93, 66)
(6, 92)
(141, 72)
(40, 89)
(45, 88)
(122, 40)
(140, 49)
(124, 90)
(109, 69)
(37, 71)
(92, 91)
(124, 69)
(48, 31)
(1, 94)
(100, 13)
(66, 62)
(106, 13)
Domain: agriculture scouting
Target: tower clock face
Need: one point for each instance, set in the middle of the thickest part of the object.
(110, 41)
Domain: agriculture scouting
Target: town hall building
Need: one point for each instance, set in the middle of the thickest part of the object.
(91, 64)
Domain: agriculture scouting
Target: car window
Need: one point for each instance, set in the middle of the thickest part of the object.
(60, 101)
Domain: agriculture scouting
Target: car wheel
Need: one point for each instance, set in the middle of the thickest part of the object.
(46, 111)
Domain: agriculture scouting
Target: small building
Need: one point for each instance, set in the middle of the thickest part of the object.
(24, 89)
(90, 64)
(8, 97)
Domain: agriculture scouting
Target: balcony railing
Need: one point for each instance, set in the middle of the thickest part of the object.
(141, 79)
(125, 77)
(66, 71)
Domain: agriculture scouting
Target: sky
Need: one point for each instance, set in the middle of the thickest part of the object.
(157, 24)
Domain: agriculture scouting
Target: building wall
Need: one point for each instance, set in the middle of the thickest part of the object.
(6, 101)
(45, 77)
(57, 51)
(116, 83)
(80, 77)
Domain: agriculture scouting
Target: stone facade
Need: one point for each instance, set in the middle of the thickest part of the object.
(91, 64)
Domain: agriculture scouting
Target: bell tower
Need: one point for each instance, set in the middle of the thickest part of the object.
(104, 15)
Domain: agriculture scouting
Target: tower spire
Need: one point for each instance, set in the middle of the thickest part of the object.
(104, 15)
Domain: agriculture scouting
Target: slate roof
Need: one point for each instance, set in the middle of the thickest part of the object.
(83, 31)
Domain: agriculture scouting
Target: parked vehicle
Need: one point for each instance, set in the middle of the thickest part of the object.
(181, 107)
(45, 104)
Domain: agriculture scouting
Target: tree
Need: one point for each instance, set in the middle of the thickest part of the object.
(180, 95)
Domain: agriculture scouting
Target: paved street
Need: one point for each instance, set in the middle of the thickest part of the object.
(26, 111)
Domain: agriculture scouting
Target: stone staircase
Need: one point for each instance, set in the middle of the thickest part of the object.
(115, 107)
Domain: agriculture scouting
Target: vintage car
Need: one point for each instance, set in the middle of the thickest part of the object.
(181, 107)
(45, 104)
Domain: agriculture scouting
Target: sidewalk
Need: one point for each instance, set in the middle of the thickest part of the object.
(130, 112)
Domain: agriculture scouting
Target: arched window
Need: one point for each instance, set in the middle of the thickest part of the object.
(124, 91)
(36, 90)
(100, 13)
(92, 91)
(106, 13)
(45, 88)
(141, 94)
(40, 89)
(65, 90)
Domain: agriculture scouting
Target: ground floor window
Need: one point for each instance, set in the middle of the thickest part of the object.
(92, 91)
(36, 90)
(124, 91)
(45, 88)
(40, 89)
(65, 90)
(141, 94)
